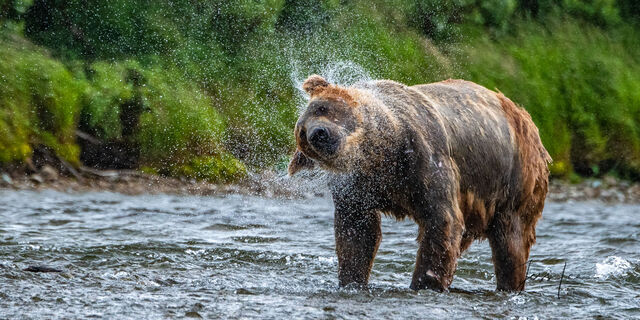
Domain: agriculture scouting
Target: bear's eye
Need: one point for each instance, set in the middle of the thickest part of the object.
(321, 110)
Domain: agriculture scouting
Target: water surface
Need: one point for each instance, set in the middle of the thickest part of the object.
(159, 256)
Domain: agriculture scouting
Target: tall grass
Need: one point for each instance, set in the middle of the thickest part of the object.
(580, 84)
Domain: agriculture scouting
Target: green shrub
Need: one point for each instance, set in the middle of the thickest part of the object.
(108, 91)
(436, 18)
(212, 83)
(39, 103)
(181, 121)
(444, 20)
(629, 9)
(123, 28)
(498, 13)
(303, 16)
(600, 12)
(13, 9)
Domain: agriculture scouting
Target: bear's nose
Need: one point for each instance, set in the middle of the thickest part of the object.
(319, 135)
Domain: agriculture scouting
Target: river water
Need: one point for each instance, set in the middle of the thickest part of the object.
(166, 256)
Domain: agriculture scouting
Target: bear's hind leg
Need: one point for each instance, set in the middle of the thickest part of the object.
(510, 251)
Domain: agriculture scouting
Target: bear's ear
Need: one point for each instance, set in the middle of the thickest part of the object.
(314, 84)
(298, 162)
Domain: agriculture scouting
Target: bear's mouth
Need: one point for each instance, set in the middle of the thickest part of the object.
(321, 157)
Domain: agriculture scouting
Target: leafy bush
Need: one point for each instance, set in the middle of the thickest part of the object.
(123, 28)
(629, 9)
(219, 169)
(600, 12)
(13, 9)
(181, 121)
(39, 103)
(443, 20)
(108, 91)
(303, 16)
(498, 13)
(437, 19)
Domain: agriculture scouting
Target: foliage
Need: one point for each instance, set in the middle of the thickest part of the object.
(13, 9)
(181, 121)
(121, 28)
(303, 15)
(213, 85)
(102, 100)
(39, 103)
(578, 84)
(444, 20)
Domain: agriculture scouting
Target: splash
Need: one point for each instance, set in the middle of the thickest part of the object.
(340, 72)
(336, 71)
(305, 184)
(612, 266)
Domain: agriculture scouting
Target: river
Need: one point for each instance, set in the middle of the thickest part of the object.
(166, 256)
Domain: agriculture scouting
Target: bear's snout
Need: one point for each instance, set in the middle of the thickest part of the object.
(322, 140)
(319, 136)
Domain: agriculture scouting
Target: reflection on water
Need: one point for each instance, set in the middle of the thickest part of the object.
(172, 256)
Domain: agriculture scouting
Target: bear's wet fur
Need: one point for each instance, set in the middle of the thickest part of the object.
(462, 161)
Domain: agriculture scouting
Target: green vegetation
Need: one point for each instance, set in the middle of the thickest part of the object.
(39, 99)
(581, 86)
(207, 89)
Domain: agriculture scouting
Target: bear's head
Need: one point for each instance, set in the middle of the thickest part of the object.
(328, 131)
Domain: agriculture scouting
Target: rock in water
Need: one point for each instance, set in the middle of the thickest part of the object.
(41, 269)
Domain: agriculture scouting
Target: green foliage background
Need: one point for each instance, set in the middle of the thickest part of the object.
(216, 80)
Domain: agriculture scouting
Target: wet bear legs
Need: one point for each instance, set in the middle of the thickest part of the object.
(357, 236)
(510, 242)
(436, 261)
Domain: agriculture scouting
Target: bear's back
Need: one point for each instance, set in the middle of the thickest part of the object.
(480, 137)
(476, 129)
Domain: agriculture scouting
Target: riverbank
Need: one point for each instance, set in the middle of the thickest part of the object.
(133, 182)
(268, 184)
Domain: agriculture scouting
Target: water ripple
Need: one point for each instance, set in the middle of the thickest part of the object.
(238, 256)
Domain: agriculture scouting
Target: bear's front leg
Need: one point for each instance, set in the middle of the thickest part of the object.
(358, 236)
(439, 237)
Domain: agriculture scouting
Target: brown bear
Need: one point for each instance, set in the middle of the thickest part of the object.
(462, 161)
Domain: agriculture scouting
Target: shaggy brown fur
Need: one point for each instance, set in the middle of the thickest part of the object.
(462, 161)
